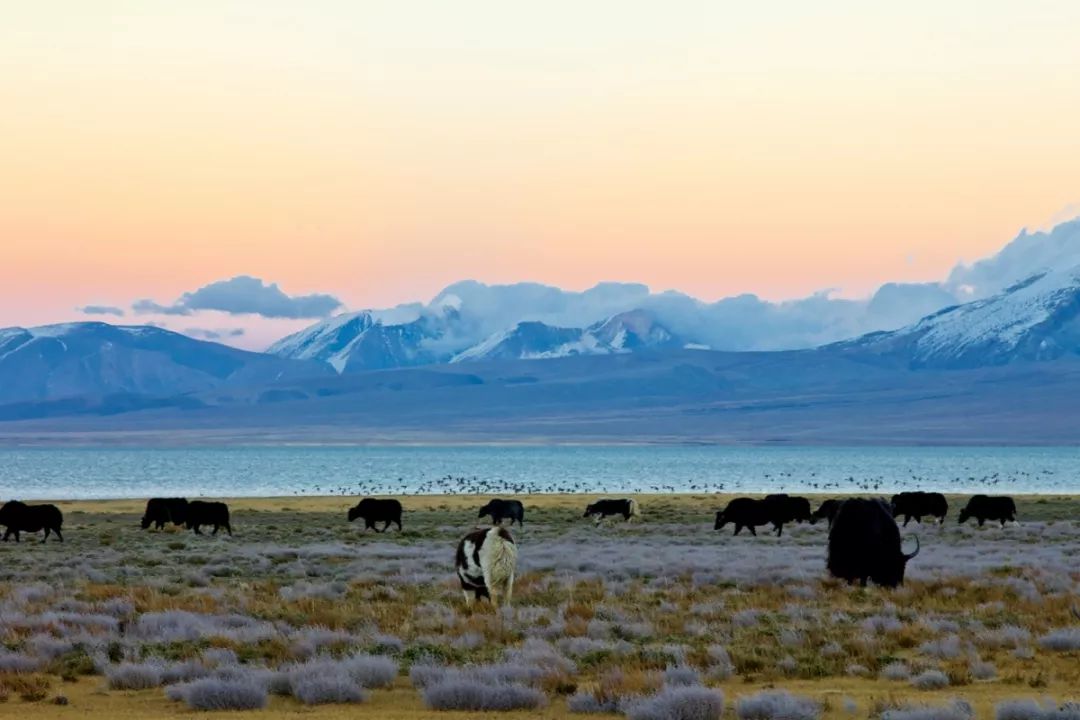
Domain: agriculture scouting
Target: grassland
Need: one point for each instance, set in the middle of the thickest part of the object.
(612, 612)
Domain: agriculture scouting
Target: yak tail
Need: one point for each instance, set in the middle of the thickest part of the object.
(498, 561)
(635, 511)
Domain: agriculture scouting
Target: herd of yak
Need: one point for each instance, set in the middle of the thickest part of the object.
(864, 539)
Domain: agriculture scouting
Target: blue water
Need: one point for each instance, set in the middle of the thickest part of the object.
(85, 473)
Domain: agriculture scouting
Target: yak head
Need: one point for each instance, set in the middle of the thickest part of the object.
(486, 510)
(720, 521)
(964, 516)
(590, 510)
(145, 522)
(354, 512)
(10, 509)
(892, 573)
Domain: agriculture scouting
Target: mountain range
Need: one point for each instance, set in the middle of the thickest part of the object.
(966, 371)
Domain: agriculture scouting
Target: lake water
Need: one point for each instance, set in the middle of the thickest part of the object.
(84, 473)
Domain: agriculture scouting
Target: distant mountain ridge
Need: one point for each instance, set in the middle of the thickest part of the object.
(1036, 319)
(75, 359)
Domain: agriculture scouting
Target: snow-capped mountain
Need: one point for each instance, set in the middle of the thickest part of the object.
(1036, 319)
(625, 332)
(94, 358)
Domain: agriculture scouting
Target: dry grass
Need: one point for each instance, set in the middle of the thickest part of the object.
(615, 606)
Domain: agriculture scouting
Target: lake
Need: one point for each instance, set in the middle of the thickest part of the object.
(92, 473)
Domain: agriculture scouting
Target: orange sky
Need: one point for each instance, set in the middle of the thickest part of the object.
(382, 150)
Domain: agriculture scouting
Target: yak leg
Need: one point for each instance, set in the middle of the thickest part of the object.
(468, 597)
(738, 527)
(398, 521)
(779, 529)
(907, 519)
(46, 537)
(58, 535)
(752, 530)
(509, 590)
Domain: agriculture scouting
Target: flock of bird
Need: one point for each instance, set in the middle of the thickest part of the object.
(474, 485)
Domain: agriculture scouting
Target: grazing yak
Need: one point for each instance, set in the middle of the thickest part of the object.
(485, 562)
(208, 513)
(864, 544)
(918, 504)
(161, 511)
(989, 507)
(373, 510)
(774, 509)
(17, 517)
(827, 511)
(603, 508)
(502, 509)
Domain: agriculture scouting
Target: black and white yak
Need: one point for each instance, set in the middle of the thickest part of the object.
(989, 507)
(486, 561)
(17, 517)
(374, 510)
(502, 509)
(601, 509)
(864, 544)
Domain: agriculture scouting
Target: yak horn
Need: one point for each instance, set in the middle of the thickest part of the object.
(918, 547)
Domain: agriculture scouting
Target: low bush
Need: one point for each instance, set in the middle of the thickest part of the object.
(477, 696)
(217, 694)
(777, 705)
(679, 703)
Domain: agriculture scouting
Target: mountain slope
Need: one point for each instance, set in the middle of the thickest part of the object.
(77, 359)
(622, 333)
(1037, 319)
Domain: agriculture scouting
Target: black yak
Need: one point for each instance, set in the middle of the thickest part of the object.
(864, 544)
(987, 507)
(775, 510)
(160, 511)
(827, 511)
(502, 509)
(918, 504)
(743, 512)
(486, 560)
(603, 508)
(786, 509)
(200, 513)
(373, 510)
(17, 517)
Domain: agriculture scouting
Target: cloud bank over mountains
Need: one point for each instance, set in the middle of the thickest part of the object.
(469, 312)
(244, 295)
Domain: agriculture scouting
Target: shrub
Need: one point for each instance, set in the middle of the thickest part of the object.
(930, 680)
(946, 648)
(958, 710)
(681, 675)
(1061, 640)
(134, 676)
(895, 671)
(217, 694)
(1031, 710)
(463, 694)
(587, 702)
(18, 663)
(322, 689)
(777, 705)
(679, 703)
(981, 670)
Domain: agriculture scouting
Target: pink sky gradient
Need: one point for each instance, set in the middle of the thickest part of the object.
(380, 151)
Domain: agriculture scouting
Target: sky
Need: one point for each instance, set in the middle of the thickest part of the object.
(375, 152)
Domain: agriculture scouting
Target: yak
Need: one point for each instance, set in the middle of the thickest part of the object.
(603, 508)
(743, 512)
(19, 517)
(501, 509)
(918, 504)
(208, 513)
(160, 511)
(827, 511)
(989, 507)
(864, 544)
(485, 561)
(786, 508)
(373, 510)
